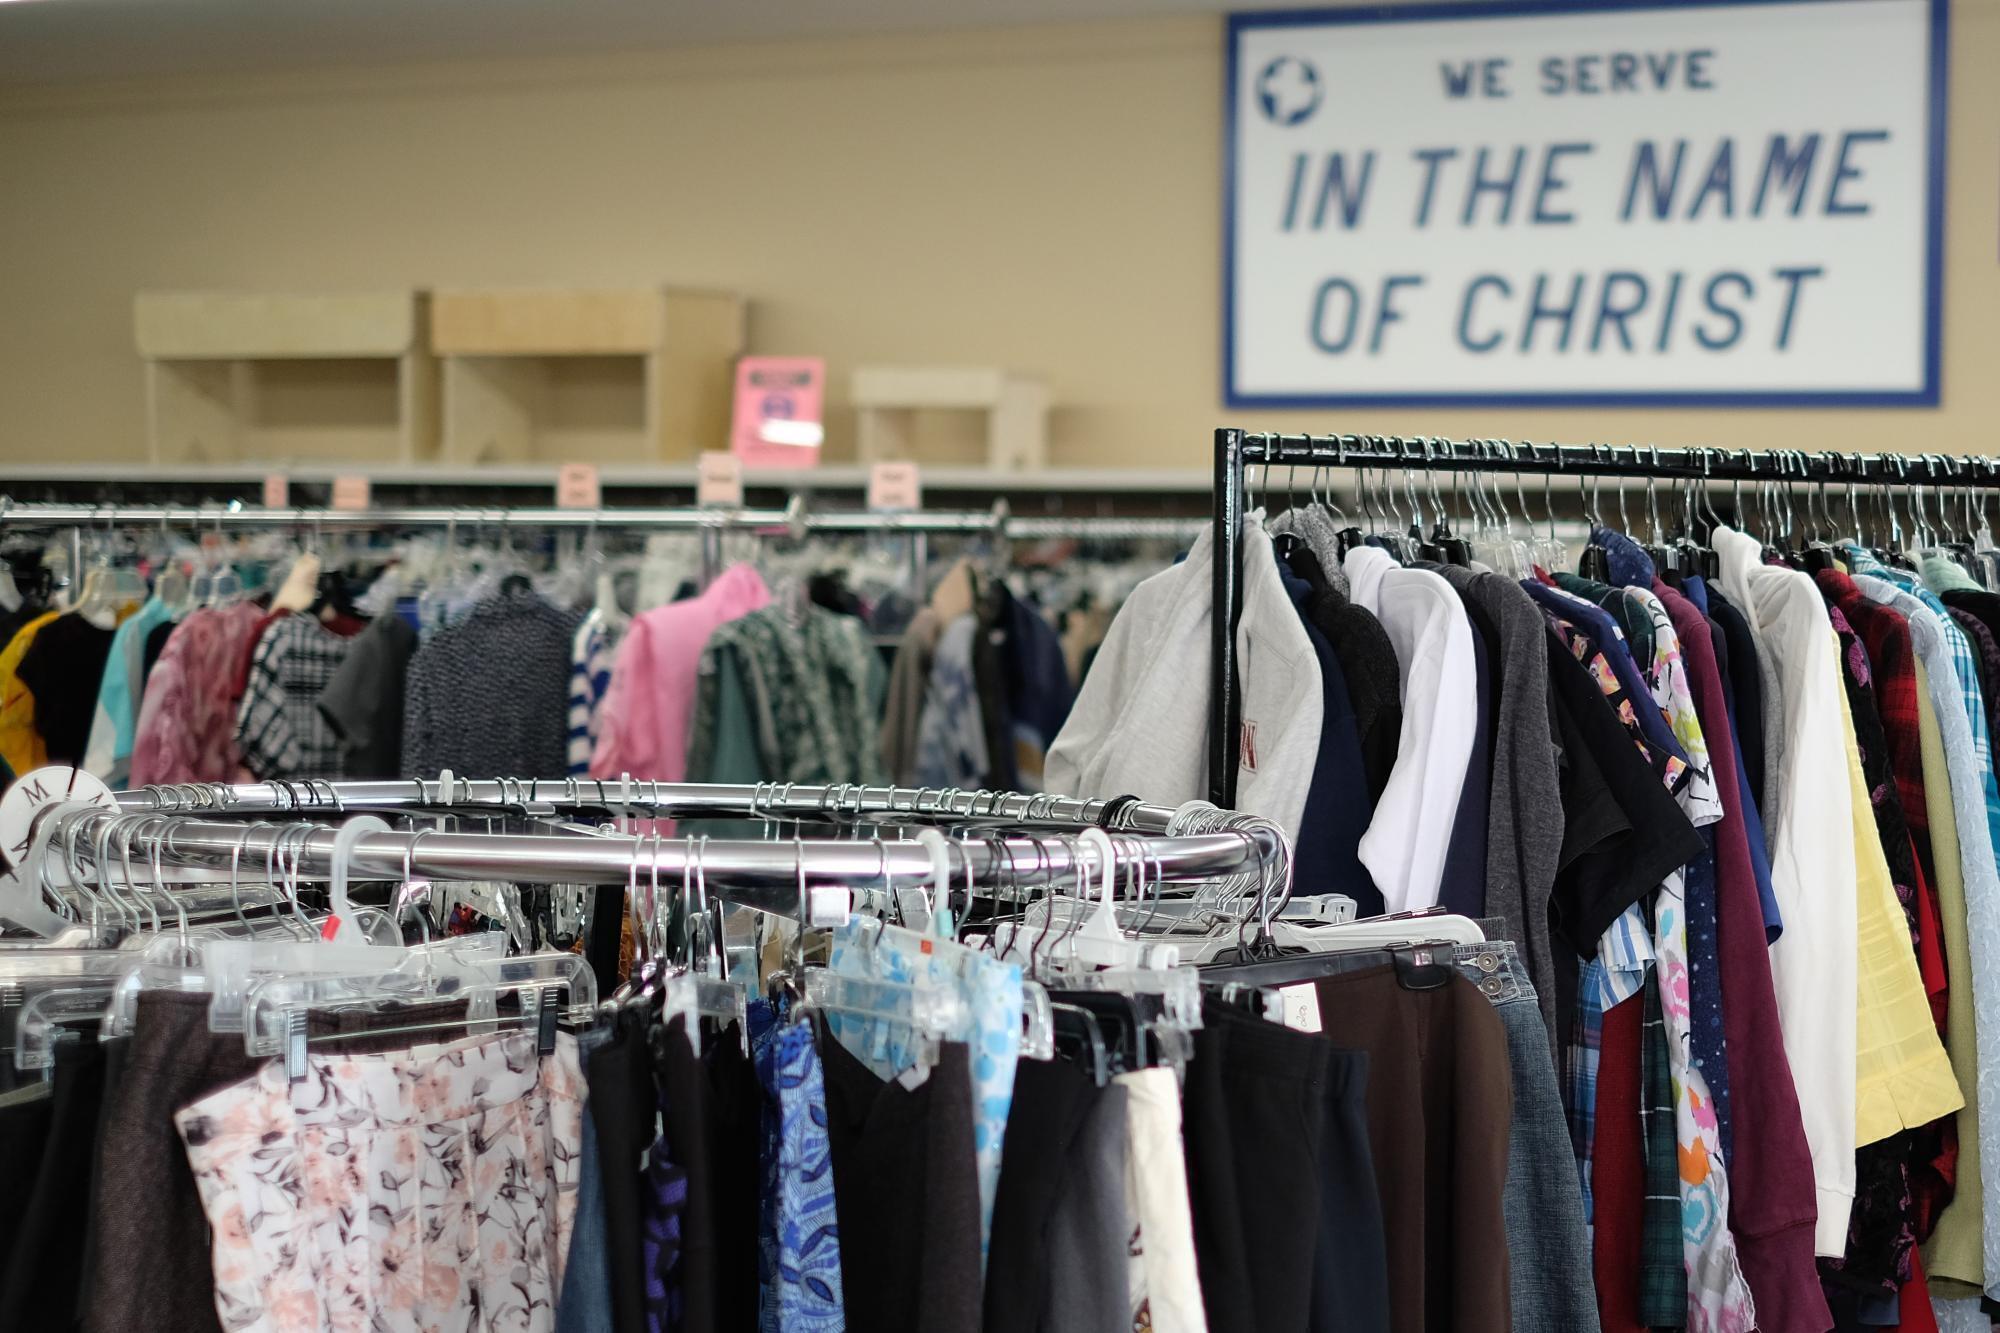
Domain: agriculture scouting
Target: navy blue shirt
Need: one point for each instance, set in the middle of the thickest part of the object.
(1326, 858)
(1462, 888)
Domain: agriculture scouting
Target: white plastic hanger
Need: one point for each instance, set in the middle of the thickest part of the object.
(1097, 942)
(346, 929)
(1376, 932)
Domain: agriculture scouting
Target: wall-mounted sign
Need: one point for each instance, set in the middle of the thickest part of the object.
(777, 417)
(1571, 202)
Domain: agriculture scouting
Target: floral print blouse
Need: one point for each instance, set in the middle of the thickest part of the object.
(425, 1189)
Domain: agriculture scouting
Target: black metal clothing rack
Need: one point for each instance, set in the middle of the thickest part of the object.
(1235, 450)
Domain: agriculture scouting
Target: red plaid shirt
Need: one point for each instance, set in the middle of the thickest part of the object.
(1892, 662)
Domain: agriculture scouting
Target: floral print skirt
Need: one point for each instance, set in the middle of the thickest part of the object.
(432, 1188)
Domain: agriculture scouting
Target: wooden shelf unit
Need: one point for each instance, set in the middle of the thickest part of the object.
(640, 375)
(331, 378)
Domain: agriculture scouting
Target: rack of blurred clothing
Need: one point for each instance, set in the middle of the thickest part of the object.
(212, 644)
(958, 1086)
(1723, 774)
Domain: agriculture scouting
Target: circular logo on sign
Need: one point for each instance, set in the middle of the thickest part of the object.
(35, 791)
(1289, 90)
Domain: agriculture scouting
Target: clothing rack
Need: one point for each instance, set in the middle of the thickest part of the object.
(709, 522)
(787, 876)
(795, 517)
(767, 874)
(1236, 450)
(778, 802)
(185, 824)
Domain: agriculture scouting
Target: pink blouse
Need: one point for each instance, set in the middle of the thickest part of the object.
(187, 721)
(643, 725)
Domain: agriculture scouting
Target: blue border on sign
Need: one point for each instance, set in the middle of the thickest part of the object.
(1928, 396)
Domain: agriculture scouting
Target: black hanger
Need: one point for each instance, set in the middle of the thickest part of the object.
(1118, 1016)
(1080, 1037)
(1423, 965)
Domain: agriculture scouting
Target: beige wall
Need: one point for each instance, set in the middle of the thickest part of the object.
(1044, 199)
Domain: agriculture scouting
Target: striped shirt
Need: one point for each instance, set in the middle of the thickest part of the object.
(589, 682)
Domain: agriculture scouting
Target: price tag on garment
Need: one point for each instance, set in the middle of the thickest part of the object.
(895, 486)
(277, 491)
(577, 487)
(350, 493)
(35, 791)
(1300, 1004)
(719, 479)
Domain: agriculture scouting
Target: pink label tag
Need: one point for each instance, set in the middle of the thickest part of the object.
(895, 486)
(277, 491)
(777, 417)
(719, 479)
(577, 488)
(350, 493)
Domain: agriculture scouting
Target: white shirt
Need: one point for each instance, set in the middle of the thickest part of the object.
(1156, 1197)
(1404, 847)
(1813, 868)
(1140, 722)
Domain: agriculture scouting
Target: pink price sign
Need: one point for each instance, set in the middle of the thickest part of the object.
(778, 400)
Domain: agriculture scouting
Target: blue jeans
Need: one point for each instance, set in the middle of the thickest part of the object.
(1548, 1249)
(585, 1303)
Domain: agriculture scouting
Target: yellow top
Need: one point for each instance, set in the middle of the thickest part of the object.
(20, 744)
(1902, 1076)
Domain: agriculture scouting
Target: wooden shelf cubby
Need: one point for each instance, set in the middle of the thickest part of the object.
(638, 375)
(330, 378)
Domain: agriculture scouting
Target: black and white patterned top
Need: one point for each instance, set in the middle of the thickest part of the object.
(489, 696)
(278, 725)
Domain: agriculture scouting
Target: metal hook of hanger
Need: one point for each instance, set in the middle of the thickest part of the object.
(1737, 513)
(1689, 483)
(1471, 482)
(1549, 493)
(1888, 496)
(1853, 505)
(1520, 495)
(1920, 518)
(1653, 495)
(1403, 450)
(1442, 520)
(1390, 512)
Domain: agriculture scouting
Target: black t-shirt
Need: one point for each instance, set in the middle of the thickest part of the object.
(156, 643)
(1746, 685)
(1367, 664)
(1623, 832)
(63, 668)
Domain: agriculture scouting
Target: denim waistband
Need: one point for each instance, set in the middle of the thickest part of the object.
(1496, 969)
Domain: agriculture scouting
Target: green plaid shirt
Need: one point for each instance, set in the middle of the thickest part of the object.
(1663, 1284)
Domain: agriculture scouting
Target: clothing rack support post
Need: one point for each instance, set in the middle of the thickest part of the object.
(1225, 706)
(604, 943)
